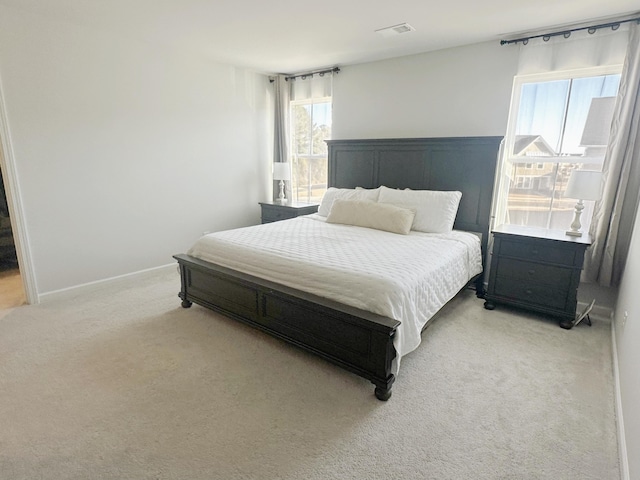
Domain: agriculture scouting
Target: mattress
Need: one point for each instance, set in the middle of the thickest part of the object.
(404, 277)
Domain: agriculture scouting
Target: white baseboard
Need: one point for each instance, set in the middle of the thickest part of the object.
(622, 442)
(93, 286)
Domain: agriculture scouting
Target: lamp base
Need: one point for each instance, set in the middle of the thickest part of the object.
(281, 197)
(576, 225)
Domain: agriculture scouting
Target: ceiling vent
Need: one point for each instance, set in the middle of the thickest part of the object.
(395, 30)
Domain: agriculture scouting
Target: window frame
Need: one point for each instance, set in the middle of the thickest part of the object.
(500, 201)
(293, 154)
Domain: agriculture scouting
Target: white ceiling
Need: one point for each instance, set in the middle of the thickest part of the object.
(290, 36)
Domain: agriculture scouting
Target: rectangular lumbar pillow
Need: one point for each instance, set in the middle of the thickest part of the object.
(379, 216)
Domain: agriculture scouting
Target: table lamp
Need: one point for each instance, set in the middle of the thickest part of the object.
(595, 135)
(282, 172)
(583, 185)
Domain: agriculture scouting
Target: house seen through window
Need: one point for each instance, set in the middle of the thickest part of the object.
(556, 125)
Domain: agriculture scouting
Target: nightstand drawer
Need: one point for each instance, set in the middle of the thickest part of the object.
(276, 214)
(532, 272)
(534, 294)
(539, 251)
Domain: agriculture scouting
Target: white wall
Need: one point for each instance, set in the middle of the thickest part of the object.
(628, 343)
(126, 152)
(462, 91)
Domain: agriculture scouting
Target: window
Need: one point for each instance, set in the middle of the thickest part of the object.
(311, 126)
(561, 122)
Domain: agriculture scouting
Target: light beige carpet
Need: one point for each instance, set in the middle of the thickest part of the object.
(123, 383)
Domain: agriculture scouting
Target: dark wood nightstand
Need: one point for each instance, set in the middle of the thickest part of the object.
(536, 269)
(275, 211)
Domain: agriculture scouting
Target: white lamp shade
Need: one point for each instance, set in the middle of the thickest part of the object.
(281, 171)
(598, 124)
(584, 185)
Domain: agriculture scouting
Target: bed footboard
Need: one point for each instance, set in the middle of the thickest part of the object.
(354, 339)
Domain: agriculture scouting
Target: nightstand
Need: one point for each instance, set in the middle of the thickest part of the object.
(275, 211)
(537, 269)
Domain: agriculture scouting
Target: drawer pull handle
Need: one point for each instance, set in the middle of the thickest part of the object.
(531, 272)
(534, 252)
(528, 292)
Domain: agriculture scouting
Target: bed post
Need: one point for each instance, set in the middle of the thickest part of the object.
(183, 286)
(383, 389)
(384, 350)
(480, 285)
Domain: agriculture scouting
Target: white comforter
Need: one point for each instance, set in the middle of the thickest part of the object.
(404, 277)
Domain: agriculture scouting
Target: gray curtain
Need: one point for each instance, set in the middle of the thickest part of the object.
(281, 129)
(615, 212)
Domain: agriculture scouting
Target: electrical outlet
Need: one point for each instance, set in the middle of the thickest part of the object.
(625, 315)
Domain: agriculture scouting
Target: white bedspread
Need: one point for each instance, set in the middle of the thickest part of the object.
(404, 277)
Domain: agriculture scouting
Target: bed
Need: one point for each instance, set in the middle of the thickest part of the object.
(359, 333)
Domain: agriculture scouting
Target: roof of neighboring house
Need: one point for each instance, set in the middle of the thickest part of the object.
(523, 142)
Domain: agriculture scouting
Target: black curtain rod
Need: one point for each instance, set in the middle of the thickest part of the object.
(311, 74)
(304, 76)
(567, 33)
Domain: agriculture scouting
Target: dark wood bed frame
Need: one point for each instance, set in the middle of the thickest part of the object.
(354, 339)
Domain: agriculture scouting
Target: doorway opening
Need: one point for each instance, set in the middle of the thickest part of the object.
(11, 285)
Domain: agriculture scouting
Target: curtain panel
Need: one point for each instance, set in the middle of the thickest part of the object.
(580, 50)
(281, 129)
(615, 212)
(315, 86)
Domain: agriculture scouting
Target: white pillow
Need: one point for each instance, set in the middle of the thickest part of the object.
(435, 210)
(333, 193)
(379, 216)
(375, 192)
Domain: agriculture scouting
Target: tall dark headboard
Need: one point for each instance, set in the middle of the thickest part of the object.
(466, 164)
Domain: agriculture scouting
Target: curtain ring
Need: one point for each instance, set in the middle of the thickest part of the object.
(546, 38)
(615, 26)
(525, 41)
(566, 34)
(592, 30)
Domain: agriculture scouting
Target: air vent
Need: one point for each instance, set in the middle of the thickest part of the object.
(395, 30)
